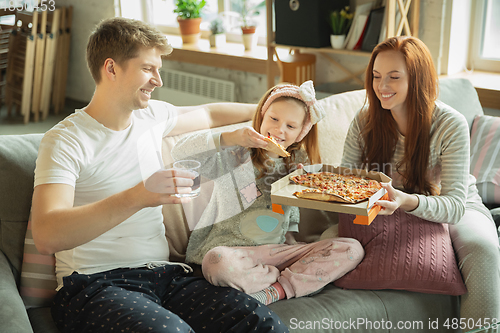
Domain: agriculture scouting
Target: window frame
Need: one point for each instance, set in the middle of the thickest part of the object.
(173, 29)
(476, 62)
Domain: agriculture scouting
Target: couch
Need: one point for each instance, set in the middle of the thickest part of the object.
(333, 309)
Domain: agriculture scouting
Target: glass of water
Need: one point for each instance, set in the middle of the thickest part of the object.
(193, 167)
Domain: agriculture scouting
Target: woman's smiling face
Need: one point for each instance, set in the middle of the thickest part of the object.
(390, 80)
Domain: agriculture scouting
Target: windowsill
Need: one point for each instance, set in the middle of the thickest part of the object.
(231, 55)
(487, 85)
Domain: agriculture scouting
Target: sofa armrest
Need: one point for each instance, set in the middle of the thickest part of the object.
(13, 315)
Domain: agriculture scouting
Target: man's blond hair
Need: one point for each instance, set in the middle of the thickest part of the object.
(121, 39)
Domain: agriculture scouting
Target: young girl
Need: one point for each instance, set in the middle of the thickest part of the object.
(424, 145)
(241, 240)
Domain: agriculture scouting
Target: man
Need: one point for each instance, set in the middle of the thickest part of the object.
(92, 209)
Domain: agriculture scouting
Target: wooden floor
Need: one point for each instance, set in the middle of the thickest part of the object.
(15, 125)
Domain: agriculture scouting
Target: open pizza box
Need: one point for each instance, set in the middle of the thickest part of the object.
(282, 194)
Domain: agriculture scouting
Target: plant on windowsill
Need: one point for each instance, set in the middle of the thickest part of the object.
(247, 10)
(340, 22)
(189, 18)
(218, 36)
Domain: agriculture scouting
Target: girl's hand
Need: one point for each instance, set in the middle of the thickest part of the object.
(245, 137)
(397, 199)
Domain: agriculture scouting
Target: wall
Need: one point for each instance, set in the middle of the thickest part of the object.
(86, 14)
(456, 29)
(250, 87)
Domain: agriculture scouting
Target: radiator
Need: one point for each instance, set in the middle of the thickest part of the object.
(181, 88)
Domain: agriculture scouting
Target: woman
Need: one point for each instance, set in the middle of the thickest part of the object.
(423, 144)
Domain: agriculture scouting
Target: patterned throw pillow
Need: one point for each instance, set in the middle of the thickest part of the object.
(402, 252)
(38, 276)
(485, 157)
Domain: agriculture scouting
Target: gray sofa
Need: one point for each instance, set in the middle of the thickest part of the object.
(333, 309)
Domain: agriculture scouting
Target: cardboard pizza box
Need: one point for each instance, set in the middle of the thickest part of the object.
(282, 194)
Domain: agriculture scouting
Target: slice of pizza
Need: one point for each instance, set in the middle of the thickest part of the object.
(317, 194)
(301, 180)
(275, 147)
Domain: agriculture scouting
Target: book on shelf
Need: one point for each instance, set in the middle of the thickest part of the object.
(373, 29)
(363, 35)
(358, 25)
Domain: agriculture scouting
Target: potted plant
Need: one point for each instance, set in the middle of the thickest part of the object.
(340, 22)
(218, 37)
(189, 18)
(247, 10)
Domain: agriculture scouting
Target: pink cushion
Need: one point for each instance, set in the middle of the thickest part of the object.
(403, 252)
(38, 276)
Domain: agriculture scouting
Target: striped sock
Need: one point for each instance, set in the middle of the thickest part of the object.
(271, 294)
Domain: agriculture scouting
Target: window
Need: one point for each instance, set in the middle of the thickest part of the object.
(485, 41)
(160, 13)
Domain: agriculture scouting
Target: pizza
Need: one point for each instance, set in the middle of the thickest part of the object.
(329, 186)
(275, 147)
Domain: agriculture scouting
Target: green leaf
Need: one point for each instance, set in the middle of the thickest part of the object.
(340, 21)
(189, 8)
(247, 9)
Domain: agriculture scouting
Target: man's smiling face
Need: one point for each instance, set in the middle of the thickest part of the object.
(139, 77)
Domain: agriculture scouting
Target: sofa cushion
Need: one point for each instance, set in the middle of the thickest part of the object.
(17, 164)
(366, 311)
(461, 95)
(340, 111)
(403, 252)
(13, 316)
(38, 276)
(485, 157)
(41, 320)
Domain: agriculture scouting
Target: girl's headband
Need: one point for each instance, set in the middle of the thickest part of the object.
(304, 93)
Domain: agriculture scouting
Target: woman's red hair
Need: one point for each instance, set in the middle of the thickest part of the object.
(381, 134)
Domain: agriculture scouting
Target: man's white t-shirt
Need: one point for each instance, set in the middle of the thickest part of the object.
(99, 162)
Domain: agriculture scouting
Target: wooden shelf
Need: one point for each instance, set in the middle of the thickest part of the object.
(261, 59)
(231, 56)
(324, 50)
(403, 8)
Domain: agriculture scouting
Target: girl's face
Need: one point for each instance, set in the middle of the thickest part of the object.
(283, 121)
(390, 80)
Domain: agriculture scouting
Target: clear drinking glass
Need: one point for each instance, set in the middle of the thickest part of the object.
(194, 167)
